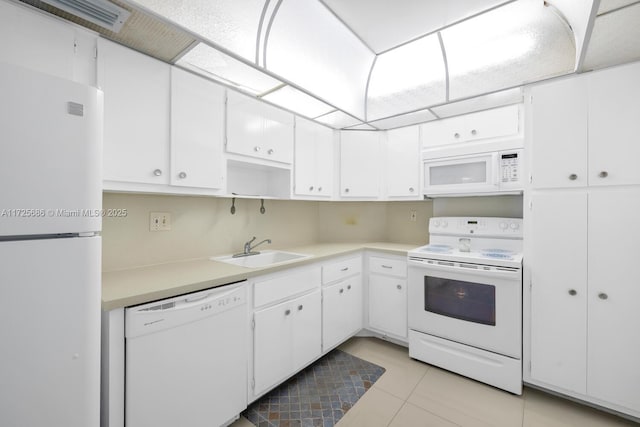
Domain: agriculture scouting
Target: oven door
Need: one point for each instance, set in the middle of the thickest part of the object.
(471, 304)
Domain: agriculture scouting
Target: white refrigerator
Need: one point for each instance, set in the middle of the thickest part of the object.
(50, 219)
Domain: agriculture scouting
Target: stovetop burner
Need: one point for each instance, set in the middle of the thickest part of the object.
(437, 248)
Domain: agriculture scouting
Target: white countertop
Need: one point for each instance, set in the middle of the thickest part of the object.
(149, 283)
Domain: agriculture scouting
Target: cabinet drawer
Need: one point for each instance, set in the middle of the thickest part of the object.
(340, 269)
(285, 286)
(391, 267)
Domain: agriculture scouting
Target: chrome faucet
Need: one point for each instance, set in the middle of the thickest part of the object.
(248, 249)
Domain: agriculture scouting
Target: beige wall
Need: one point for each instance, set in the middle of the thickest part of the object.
(203, 226)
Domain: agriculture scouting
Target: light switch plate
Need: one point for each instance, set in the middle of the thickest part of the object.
(159, 221)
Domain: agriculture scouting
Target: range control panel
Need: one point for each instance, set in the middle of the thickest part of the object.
(476, 226)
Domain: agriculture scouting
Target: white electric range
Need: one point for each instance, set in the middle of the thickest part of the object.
(465, 299)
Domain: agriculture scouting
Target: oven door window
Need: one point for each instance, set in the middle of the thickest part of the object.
(473, 302)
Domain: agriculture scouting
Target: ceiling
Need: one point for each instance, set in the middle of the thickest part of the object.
(379, 64)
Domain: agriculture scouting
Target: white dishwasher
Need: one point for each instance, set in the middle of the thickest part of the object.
(186, 359)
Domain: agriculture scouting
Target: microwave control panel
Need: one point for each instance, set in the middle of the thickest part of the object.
(510, 166)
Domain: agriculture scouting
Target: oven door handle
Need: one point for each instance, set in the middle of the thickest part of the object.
(458, 267)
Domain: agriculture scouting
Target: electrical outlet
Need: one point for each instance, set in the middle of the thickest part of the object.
(413, 215)
(159, 221)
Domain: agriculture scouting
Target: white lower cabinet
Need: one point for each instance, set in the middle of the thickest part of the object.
(341, 311)
(388, 296)
(581, 258)
(286, 339)
(342, 303)
(286, 326)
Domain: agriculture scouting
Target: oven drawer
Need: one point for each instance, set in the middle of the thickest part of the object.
(340, 269)
(390, 267)
(491, 368)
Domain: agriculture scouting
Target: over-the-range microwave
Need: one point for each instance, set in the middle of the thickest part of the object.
(496, 172)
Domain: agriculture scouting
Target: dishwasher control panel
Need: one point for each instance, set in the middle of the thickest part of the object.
(165, 314)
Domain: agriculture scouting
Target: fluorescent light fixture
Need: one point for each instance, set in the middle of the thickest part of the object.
(231, 24)
(405, 120)
(100, 12)
(297, 101)
(484, 102)
(338, 120)
(206, 60)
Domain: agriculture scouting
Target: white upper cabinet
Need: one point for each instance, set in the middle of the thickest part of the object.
(559, 134)
(584, 130)
(614, 126)
(495, 123)
(136, 115)
(313, 164)
(360, 161)
(258, 129)
(197, 131)
(403, 162)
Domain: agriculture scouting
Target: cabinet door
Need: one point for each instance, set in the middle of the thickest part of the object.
(272, 345)
(614, 292)
(307, 330)
(558, 262)
(559, 134)
(614, 108)
(388, 304)
(494, 123)
(313, 163)
(136, 115)
(341, 311)
(359, 164)
(403, 162)
(258, 130)
(197, 131)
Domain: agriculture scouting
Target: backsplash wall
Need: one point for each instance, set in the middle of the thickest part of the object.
(200, 227)
(204, 226)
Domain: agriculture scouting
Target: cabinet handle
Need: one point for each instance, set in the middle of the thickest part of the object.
(572, 292)
(386, 266)
(319, 188)
(348, 287)
(287, 312)
(270, 151)
(341, 290)
(399, 287)
(300, 307)
(573, 177)
(344, 269)
(411, 190)
(456, 135)
(157, 172)
(603, 174)
(256, 148)
(346, 190)
(474, 132)
(602, 295)
(311, 188)
(182, 175)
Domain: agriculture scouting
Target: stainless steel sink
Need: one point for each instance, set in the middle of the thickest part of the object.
(263, 259)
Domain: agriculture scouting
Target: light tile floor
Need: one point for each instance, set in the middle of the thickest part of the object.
(414, 394)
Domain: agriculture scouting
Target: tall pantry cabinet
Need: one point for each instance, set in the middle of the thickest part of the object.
(581, 281)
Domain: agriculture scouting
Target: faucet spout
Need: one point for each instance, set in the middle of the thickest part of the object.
(249, 249)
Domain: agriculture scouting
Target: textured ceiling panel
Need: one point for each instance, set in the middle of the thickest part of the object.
(141, 32)
(231, 24)
(609, 5)
(484, 102)
(404, 120)
(228, 70)
(521, 42)
(295, 100)
(407, 78)
(615, 39)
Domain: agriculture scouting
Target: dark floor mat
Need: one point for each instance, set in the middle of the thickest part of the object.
(317, 396)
